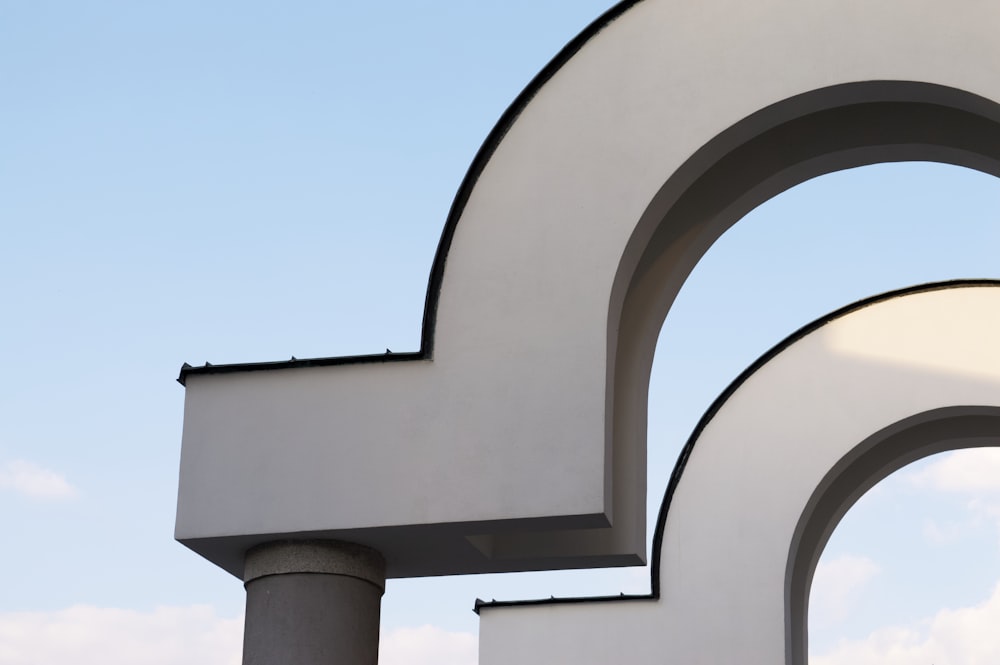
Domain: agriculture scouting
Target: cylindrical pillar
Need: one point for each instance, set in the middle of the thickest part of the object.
(312, 603)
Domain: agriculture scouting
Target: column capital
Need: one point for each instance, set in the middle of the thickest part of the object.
(327, 557)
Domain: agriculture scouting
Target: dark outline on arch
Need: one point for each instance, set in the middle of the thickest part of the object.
(685, 454)
(868, 463)
(476, 168)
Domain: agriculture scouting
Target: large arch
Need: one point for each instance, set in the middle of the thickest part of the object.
(768, 473)
(525, 408)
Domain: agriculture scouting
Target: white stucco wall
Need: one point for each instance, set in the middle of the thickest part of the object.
(529, 418)
(755, 468)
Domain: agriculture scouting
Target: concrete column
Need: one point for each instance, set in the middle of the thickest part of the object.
(312, 603)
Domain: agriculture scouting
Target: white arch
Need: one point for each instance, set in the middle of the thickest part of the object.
(769, 473)
(525, 410)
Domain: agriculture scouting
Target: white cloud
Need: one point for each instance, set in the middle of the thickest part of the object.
(837, 585)
(427, 645)
(973, 470)
(971, 474)
(194, 635)
(34, 481)
(966, 636)
(87, 635)
(941, 534)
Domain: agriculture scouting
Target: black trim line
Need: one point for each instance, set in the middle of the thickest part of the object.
(209, 368)
(489, 146)
(675, 476)
(476, 168)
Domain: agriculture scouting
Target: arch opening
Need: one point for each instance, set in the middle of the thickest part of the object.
(870, 462)
(911, 570)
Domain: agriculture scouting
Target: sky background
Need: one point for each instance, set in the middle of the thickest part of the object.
(233, 182)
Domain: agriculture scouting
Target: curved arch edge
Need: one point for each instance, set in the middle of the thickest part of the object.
(706, 418)
(436, 277)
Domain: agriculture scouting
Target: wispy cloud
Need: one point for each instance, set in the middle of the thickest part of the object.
(428, 645)
(974, 470)
(938, 533)
(193, 635)
(34, 481)
(972, 475)
(87, 635)
(965, 636)
(837, 586)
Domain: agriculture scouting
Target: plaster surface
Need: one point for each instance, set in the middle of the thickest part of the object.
(515, 438)
(770, 471)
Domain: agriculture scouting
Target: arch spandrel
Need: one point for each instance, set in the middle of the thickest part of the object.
(770, 470)
(525, 408)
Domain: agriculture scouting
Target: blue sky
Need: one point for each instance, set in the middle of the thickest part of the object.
(250, 181)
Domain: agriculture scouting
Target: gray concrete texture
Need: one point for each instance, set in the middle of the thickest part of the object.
(313, 603)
